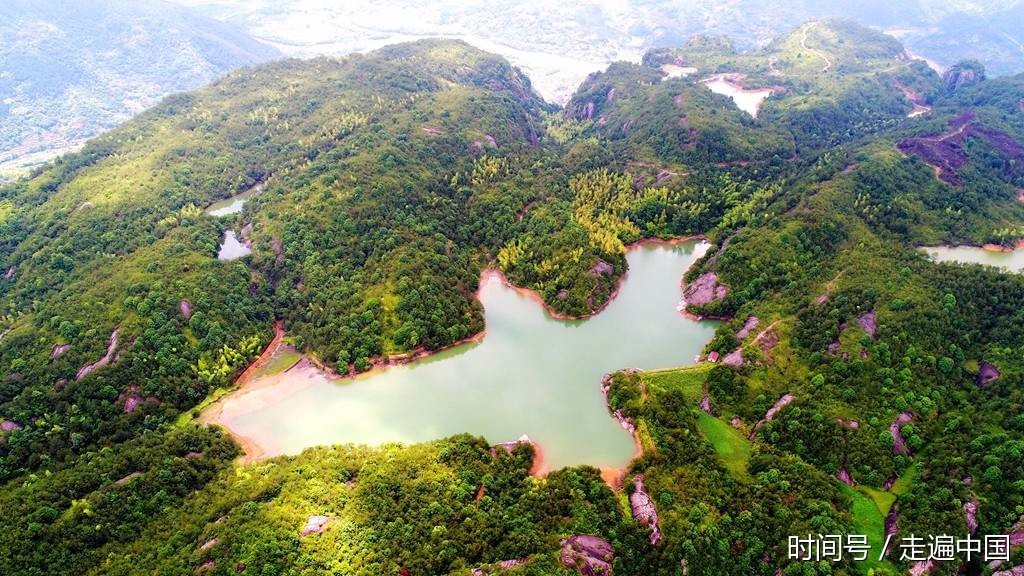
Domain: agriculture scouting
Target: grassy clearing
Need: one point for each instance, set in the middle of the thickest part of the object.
(283, 359)
(869, 520)
(732, 448)
(690, 380)
(870, 506)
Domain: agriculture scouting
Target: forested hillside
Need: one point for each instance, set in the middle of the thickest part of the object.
(859, 379)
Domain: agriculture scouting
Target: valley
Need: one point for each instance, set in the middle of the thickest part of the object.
(478, 264)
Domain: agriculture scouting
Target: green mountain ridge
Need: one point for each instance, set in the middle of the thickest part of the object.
(389, 180)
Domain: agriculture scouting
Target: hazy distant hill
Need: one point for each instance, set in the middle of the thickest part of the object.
(70, 69)
(559, 43)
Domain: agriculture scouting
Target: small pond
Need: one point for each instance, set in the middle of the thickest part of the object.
(231, 248)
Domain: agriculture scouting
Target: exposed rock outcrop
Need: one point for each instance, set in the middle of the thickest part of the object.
(767, 340)
(892, 521)
(844, 476)
(946, 153)
(869, 322)
(734, 358)
(625, 421)
(770, 414)
(749, 325)
(111, 350)
(503, 565)
(833, 347)
(644, 511)
(971, 515)
(705, 405)
(849, 424)
(131, 399)
(58, 349)
(987, 374)
(10, 426)
(922, 568)
(963, 74)
(315, 525)
(704, 290)
(510, 447)
(278, 249)
(601, 268)
(580, 110)
(589, 555)
(899, 446)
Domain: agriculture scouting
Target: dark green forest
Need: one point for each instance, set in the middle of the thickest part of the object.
(390, 180)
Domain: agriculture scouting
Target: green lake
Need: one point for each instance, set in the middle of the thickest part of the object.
(531, 374)
(1011, 261)
(747, 100)
(234, 204)
(232, 248)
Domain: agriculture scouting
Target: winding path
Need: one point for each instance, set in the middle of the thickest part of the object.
(819, 53)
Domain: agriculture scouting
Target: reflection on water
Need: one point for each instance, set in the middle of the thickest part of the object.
(530, 374)
(1011, 261)
(231, 248)
(747, 100)
(234, 204)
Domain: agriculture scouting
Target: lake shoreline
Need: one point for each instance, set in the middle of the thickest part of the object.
(1004, 249)
(535, 296)
(301, 373)
(988, 247)
(613, 476)
(419, 353)
(734, 82)
(1006, 259)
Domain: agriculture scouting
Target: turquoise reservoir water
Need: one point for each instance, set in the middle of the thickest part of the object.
(531, 374)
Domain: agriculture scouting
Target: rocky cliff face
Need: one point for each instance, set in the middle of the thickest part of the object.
(963, 74)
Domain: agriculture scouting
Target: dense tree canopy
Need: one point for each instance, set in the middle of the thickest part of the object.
(384, 183)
